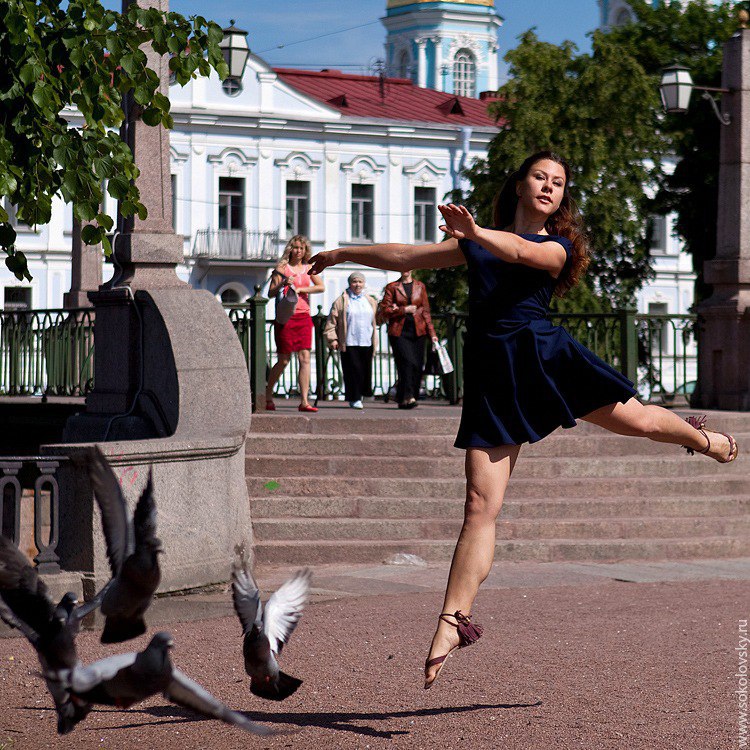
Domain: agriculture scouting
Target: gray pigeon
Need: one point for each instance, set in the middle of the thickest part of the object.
(133, 551)
(125, 679)
(25, 604)
(265, 631)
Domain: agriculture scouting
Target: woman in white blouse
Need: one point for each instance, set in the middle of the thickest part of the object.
(350, 329)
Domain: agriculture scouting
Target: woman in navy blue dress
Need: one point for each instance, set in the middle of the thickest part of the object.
(524, 377)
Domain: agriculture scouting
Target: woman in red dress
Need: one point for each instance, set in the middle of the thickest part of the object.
(292, 272)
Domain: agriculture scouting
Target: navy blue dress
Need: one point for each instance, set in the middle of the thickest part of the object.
(523, 376)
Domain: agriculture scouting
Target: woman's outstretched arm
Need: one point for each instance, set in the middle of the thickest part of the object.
(507, 246)
(393, 256)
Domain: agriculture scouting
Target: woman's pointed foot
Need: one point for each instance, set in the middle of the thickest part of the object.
(443, 645)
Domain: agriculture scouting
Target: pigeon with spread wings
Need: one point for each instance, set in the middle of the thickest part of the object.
(25, 604)
(125, 679)
(266, 630)
(132, 548)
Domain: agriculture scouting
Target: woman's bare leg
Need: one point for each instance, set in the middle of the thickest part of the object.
(655, 423)
(487, 473)
(276, 372)
(304, 375)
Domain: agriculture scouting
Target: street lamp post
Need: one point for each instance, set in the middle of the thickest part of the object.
(724, 318)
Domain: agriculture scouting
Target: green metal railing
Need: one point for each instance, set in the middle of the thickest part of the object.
(50, 352)
(46, 352)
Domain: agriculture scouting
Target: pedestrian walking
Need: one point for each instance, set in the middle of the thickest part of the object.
(295, 336)
(524, 377)
(406, 309)
(350, 330)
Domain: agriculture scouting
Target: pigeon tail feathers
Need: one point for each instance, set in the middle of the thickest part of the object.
(275, 690)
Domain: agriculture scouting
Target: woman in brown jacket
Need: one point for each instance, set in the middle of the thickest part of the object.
(406, 308)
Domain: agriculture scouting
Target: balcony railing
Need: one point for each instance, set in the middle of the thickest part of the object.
(236, 244)
(50, 352)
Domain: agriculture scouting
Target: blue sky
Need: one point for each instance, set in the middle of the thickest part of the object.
(283, 22)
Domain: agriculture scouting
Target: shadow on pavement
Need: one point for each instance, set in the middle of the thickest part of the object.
(338, 721)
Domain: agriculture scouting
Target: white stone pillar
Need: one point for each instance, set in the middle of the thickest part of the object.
(421, 63)
(437, 43)
(492, 73)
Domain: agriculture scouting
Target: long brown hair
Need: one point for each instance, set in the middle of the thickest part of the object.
(565, 222)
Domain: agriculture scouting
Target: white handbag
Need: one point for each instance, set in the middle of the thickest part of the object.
(446, 366)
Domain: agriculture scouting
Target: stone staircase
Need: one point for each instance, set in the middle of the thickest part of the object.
(338, 487)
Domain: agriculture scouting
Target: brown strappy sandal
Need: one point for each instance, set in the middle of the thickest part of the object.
(700, 424)
(468, 633)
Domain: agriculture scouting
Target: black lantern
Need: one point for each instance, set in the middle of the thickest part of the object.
(676, 87)
(235, 50)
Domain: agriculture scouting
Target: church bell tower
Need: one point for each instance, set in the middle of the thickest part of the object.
(450, 46)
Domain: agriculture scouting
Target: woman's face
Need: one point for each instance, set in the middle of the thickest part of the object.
(297, 252)
(357, 286)
(543, 187)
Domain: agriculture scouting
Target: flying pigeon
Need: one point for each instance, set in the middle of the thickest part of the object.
(266, 630)
(133, 551)
(125, 679)
(25, 604)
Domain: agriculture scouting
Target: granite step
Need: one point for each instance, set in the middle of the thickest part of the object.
(451, 467)
(330, 529)
(545, 550)
(284, 506)
(393, 421)
(565, 443)
(730, 482)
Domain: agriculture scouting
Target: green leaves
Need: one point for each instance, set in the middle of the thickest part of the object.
(88, 57)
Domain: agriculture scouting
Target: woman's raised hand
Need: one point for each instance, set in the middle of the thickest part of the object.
(459, 223)
(321, 261)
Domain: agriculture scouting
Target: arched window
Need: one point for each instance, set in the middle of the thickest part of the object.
(464, 74)
(403, 64)
(230, 296)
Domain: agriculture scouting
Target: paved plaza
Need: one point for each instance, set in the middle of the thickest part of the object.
(575, 655)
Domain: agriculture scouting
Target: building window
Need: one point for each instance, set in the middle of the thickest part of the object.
(230, 297)
(297, 208)
(17, 298)
(231, 203)
(659, 329)
(362, 201)
(13, 220)
(403, 64)
(464, 74)
(232, 86)
(424, 214)
(658, 235)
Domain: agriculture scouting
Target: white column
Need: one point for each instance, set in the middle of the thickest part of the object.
(437, 43)
(492, 74)
(421, 63)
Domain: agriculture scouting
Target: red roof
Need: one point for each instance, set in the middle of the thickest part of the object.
(360, 96)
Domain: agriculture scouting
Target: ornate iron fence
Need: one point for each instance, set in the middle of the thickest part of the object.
(50, 352)
(46, 352)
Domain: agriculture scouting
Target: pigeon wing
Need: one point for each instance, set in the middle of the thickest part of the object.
(184, 692)
(23, 591)
(284, 609)
(113, 507)
(246, 599)
(144, 518)
(83, 679)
